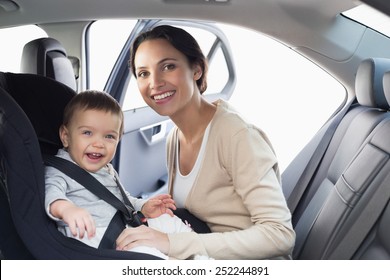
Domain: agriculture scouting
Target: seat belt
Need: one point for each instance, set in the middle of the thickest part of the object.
(128, 214)
(311, 167)
(114, 228)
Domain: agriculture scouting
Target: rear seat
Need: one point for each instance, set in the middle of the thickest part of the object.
(377, 243)
(328, 209)
(357, 158)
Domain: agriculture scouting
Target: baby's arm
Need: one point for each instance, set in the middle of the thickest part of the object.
(158, 205)
(78, 219)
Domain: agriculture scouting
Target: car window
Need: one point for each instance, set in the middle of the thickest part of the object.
(370, 17)
(281, 92)
(106, 39)
(101, 31)
(13, 40)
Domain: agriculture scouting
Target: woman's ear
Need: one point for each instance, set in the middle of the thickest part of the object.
(197, 72)
(64, 134)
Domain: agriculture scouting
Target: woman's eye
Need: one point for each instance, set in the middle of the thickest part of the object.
(169, 67)
(142, 74)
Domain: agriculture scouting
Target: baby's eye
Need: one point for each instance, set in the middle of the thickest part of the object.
(87, 132)
(110, 136)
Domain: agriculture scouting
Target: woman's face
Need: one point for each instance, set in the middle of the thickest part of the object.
(165, 79)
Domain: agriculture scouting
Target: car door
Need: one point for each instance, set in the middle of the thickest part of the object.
(141, 155)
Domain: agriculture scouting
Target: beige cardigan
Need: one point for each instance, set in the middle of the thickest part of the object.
(237, 192)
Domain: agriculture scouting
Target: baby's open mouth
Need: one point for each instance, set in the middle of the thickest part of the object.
(94, 155)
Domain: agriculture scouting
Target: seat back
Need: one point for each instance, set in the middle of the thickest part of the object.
(354, 208)
(47, 57)
(377, 243)
(11, 246)
(350, 136)
(31, 109)
(43, 101)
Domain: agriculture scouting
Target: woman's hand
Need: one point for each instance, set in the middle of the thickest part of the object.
(158, 205)
(142, 236)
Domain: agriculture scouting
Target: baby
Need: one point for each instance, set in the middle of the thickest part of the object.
(91, 130)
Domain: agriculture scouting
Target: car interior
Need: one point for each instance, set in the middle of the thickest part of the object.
(337, 187)
(27, 133)
(47, 57)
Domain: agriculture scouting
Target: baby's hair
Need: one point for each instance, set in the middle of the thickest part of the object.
(92, 100)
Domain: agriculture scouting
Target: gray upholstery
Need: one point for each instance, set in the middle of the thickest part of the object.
(324, 213)
(368, 84)
(347, 199)
(386, 85)
(47, 57)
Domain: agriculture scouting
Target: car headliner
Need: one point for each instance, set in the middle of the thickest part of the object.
(279, 18)
(310, 27)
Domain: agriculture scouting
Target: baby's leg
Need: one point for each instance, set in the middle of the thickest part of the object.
(150, 251)
(93, 242)
(168, 224)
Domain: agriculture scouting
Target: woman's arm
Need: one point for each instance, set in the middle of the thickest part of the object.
(249, 205)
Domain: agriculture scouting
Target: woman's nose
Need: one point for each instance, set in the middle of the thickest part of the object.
(156, 81)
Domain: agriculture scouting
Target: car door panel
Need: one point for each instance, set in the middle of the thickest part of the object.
(141, 158)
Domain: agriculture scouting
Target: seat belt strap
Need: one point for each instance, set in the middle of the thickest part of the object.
(115, 227)
(311, 167)
(132, 217)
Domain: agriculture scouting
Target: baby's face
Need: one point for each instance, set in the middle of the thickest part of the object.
(91, 138)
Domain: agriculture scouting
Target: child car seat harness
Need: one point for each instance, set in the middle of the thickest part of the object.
(126, 214)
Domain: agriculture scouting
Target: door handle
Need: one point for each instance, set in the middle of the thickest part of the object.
(154, 133)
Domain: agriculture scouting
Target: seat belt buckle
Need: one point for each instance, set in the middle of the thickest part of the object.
(141, 219)
(136, 218)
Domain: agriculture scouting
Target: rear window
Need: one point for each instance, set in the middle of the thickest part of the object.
(12, 42)
(370, 17)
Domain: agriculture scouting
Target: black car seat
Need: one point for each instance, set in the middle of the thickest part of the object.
(47, 57)
(31, 109)
(321, 219)
(11, 245)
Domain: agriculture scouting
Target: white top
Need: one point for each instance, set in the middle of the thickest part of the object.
(183, 183)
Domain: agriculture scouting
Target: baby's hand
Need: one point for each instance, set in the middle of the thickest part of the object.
(78, 219)
(158, 205)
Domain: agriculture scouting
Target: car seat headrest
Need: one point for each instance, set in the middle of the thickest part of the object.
(368, 84)
(386, 85)
(43, 100)
(47, 57)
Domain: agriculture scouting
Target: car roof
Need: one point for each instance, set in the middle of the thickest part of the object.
(313, 28)
(280, 18)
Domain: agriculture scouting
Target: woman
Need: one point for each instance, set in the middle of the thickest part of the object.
(222, 169)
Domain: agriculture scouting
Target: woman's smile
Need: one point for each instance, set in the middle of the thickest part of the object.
(163, 95)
